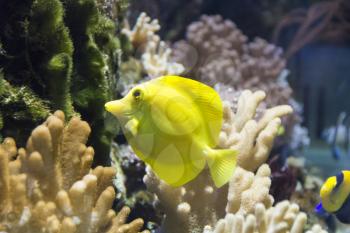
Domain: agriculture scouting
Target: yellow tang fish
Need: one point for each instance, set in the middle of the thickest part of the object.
(173, 124)
(335, 197)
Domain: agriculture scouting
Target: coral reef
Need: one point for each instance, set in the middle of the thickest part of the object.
(143, 31)
(253, 139)
(244, 205)
(154, 53)
(284, 217)
(49, 186)
(156, 58)
(227, 57)
(216, 52)
(184, 207)
(246, 189)
(66, 53)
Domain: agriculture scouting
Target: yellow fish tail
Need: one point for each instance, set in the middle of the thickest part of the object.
(221, 164)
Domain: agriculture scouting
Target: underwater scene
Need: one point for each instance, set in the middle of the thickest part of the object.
(174, 116)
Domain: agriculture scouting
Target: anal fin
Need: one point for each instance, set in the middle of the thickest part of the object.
(221, 164)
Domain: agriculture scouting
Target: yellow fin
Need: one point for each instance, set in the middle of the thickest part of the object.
(221, 164)
(207, 99)
(132, 126)
(169, 165)
(172, 167)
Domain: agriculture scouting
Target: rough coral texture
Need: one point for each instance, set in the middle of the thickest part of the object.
(144, 30)
(282, 218)
(156, 60)
(187, 208)
(224, 55)
(252, 138)
(199, 203)
(246, 189)
(50, 187)
(216, 52)
(155, 54)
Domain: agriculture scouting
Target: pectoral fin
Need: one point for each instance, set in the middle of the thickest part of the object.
(221, 165)
(132, 126)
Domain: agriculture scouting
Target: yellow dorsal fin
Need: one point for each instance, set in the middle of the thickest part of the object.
(207, 99)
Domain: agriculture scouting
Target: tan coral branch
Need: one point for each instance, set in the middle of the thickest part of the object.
(285, 217)
(49, 187)
(252, 138)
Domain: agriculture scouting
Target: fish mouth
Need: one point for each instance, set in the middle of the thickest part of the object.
(117, 108)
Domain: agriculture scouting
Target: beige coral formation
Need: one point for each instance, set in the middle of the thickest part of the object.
(252, 138)
(285, 217)
(216, 51)
(50, 187)
(144, 30)
(246, 189)
(188, 208)
(155, 54)
(156, 60)
(212, 34)
(199, 203)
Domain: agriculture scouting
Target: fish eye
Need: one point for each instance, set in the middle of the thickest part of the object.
(137, 94)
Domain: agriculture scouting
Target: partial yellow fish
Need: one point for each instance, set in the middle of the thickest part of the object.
(335, 196)
(173, 124)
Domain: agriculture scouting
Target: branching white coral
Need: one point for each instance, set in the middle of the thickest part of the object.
(143, 31)
(155, 54)
(247, 189)
(252, 138)
(49, 187)
(156, 60)
(284, 217)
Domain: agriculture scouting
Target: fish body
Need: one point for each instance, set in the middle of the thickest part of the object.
(173, 124)
(335, 197)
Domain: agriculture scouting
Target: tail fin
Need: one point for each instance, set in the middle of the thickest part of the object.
(221, 164)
